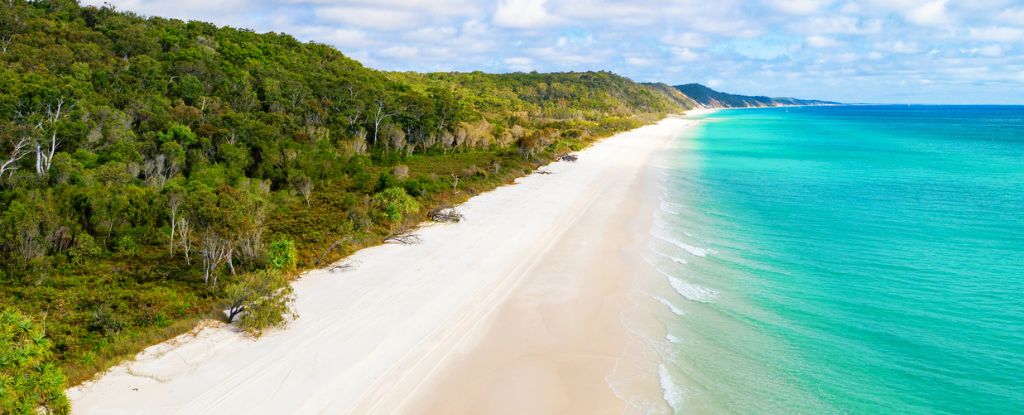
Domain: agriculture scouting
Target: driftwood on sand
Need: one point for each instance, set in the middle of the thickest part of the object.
(445, 215)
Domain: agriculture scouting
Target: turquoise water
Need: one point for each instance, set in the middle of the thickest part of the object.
(864, 259)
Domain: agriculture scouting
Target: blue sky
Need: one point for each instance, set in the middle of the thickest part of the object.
(914, 51)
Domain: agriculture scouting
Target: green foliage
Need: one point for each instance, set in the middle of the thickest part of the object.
(282, 255)
(395, 203)
(260, 300)
(29, 381)
(183, 144)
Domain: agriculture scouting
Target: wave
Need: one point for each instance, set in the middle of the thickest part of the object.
(671, 208)
(671, 307)
(692, 292)
(671, 257)
(692, 250)
(673, 339)
(672, 393)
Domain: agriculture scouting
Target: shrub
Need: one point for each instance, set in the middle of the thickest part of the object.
(260, 300)
(283, 256)
(29, 382)
(395, 203)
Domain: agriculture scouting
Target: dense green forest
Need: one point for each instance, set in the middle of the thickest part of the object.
(148, 163)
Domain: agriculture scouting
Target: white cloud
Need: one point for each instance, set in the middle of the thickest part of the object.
(898, 46)
(688, 39)
(798, 6)
(368, 17)
(685, 54)
(929, 14)
(823, 25)
(399, 52)
(813, 48)
(815, 41)
(990, 51)
(639, 61)
(519, 63)
(1014, 15)
(996, 34)
(431, 34)
(523, 14)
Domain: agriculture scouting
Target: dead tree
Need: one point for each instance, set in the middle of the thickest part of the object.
(215, 250)
(184, 232)
(173, 204)
(20, 149)
(159, 170)
(45, 151)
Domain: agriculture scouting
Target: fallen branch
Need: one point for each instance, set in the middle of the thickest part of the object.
(342, 266)
(329, 249)
(445, 215)
(403, 238)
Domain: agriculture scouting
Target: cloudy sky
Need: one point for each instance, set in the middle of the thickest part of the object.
(928, 51)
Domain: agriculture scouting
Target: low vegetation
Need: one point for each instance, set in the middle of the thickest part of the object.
(29, 382)
(153, 171)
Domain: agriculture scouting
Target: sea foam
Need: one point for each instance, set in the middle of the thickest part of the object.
(663, 254)
(692, 250)
(672, 393)
(671, 307)
(692, 292)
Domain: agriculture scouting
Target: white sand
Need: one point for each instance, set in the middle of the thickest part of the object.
(388, 334)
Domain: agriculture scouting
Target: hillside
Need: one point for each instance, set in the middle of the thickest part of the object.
(709, 98)
(148, 163)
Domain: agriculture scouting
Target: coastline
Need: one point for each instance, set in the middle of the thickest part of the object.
(533, 283)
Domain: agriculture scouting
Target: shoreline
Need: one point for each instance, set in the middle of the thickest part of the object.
(405, 319)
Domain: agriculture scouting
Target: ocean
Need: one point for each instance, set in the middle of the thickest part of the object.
(851, 259)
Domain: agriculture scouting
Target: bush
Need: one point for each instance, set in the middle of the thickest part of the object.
(283, 256)
(29, 382)
(260, 300)
(395, 203)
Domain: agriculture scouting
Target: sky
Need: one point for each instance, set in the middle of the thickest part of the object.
(881, 51)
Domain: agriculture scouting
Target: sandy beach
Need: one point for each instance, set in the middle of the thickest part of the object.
(517, 309)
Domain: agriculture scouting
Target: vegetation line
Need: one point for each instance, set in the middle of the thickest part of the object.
(154, 172)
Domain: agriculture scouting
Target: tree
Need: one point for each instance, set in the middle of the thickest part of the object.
(260, 300)
(174, 201)
(381, 112)
(50, 124)
(27, 228)
(19, 149)
(29, 381)
(184, 234)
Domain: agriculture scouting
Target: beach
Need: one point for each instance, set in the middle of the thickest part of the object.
(517, 309)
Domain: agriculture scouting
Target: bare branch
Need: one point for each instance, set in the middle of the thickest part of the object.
(21, 149)
(446, 215)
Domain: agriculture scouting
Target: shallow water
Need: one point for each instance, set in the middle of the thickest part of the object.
(863, 259)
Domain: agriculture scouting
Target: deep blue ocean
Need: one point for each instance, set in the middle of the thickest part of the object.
(852, 259)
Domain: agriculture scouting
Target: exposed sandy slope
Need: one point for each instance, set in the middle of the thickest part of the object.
(520, 300)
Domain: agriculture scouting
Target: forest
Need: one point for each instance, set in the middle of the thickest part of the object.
(152, 169)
